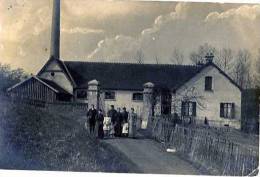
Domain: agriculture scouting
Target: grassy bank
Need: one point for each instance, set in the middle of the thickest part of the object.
(37, 139)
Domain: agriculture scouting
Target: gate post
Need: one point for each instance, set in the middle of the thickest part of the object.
(93, 93)
(147, 104)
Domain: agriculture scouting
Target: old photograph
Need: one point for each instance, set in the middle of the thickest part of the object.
(121, 86)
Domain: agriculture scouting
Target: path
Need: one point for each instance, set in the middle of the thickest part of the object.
(150, 157)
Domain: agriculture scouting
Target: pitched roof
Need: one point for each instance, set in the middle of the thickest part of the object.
(55, 86)
(52, 85)
(221, 72)
(63, 67)
(128, 76)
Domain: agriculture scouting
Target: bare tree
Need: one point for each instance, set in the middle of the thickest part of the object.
(241, 70)
(195, 58)
(198, 57)
(257, 70)
(224, 59)
(157, 60)
(139, 57)
(177, 57)
(189, 94)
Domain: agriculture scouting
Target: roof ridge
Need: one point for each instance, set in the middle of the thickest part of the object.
(128, 63)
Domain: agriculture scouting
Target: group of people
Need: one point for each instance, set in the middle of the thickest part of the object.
(116, 123)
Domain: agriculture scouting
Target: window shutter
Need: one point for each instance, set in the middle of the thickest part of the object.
(194, 108)
(221, 109)
(206, 83)
(233, 111)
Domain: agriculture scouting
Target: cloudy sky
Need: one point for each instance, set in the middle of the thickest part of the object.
(112, 30)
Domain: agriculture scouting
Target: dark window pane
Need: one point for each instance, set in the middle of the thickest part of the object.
(110, 95)
(188, 108)
(227, 110)
(137, 96)
(208, 83)
(82, 94)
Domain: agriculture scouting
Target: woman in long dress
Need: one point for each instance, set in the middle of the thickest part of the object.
(132, 118)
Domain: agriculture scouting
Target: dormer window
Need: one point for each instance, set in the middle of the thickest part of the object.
(52, 74)
(208, 83)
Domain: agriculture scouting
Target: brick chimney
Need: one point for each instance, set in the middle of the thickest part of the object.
(55, 31)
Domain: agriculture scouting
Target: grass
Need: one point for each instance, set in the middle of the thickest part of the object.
(37, 139)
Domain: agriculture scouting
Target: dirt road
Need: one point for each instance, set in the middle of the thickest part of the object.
(150, 157)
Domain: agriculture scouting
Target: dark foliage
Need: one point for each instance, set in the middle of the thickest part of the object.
(9, 77)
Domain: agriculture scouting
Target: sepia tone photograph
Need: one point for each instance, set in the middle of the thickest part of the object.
(138, 87)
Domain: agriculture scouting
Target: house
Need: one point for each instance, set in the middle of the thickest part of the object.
(152, 89)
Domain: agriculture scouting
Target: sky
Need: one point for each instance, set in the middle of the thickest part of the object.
(113, 30)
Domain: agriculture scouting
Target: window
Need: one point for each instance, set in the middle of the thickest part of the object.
(82, 94)
(208, 83)
(188, 108)
(52, 74)
(227, 110)
(110, 95)
(137, 96)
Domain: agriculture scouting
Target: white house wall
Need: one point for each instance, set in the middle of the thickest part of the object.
(124, 99)
(59, 77)
(223, 91)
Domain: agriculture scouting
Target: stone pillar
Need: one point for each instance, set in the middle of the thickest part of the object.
(147, 104)
(93, 93)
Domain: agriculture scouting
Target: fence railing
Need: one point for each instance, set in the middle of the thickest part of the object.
(72, 106)
(227, 157)
(206, 147)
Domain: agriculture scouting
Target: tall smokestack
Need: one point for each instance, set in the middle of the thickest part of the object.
(55, 31)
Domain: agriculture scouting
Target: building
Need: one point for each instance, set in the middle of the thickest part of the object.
(152, 89)
(250, 112)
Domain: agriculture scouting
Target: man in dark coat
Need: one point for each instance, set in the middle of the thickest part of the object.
(100, 120)
(118, 124)
(112, 113)
(92, 113)
(124, 115)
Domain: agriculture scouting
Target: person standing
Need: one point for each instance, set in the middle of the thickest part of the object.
(132, 118)
(124, 115)
(91, 115)
(118, 124)
(100, 120)
(112, 114)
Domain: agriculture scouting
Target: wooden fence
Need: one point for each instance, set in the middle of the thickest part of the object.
(69, 106)
(207, 148)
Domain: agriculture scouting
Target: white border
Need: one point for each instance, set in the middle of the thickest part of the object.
(24, 173)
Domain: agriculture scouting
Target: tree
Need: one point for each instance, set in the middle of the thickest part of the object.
(224, 59)
(241, 70)
(9, 77)
(198, 57)
(157, 60)
(188, 94)
(257, 70)
(139, 57)
(177, 57)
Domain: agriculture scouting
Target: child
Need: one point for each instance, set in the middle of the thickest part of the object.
(111, 131)
(107, 126)
(125, 129)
